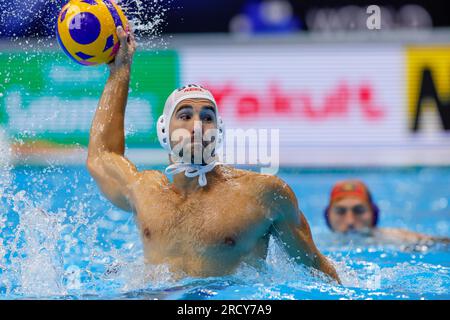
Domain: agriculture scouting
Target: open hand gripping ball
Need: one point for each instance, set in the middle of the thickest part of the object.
(86, 30)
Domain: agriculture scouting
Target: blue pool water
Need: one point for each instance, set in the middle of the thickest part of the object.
(61, 239)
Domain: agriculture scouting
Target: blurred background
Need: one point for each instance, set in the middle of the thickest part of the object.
(253, 16)
(341, 90)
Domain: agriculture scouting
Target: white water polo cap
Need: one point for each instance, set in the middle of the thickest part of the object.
(190, 170)
(191, 91)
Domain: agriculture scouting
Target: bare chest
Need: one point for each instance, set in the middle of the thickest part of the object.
(229, 218)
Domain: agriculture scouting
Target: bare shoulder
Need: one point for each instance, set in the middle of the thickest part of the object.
(276, 189)
(230, 173)
(272, 190)
(154, 176)
(259, 180)
(151, 179)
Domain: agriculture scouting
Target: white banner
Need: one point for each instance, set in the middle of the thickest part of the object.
(333, 104)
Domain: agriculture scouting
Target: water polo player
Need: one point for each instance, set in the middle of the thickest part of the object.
(352, 210)
(211, 217)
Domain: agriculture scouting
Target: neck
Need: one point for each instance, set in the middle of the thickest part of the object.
(185, 184)
(189, 185)
(188, 180)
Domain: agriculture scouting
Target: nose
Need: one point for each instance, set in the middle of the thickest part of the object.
(192, 124)
(350, 221)
(197, 129)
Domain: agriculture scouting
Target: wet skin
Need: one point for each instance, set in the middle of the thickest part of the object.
(196, 231)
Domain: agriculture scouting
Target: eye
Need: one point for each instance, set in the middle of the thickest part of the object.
(359, 209)
(184, 116)
(207, 116)
(340, 210)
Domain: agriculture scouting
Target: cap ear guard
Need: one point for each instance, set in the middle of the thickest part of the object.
(163, 133)
(376, 212)
(327, 218)
(220, 134)
(375, 209)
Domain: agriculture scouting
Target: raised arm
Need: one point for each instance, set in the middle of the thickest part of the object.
(106, 162)
(292, 229)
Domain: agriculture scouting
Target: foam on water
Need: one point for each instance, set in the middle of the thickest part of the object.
(45, 253)
(148, 21)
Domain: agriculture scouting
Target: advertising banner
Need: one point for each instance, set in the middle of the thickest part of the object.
(47, 98)
(332, 104)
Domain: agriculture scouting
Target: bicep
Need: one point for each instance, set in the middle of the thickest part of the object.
(290, 225)
(113, 174)
(293, 230)
(299, 244)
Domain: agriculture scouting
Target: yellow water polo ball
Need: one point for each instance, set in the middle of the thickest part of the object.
(86, 30)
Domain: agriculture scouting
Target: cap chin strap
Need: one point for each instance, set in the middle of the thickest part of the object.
(192, 170)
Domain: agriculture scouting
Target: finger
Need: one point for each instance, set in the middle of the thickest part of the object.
(131, 36)
(122, 35)
(130, 30)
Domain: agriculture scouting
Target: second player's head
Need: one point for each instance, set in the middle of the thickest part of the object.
(351, 208)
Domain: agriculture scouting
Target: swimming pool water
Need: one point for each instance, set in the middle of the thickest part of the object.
(61, 239)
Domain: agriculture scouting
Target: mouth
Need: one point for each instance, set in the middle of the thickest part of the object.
(358, 231)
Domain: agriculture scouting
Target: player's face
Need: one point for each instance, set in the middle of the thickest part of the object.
(350, 214)
(193, 126)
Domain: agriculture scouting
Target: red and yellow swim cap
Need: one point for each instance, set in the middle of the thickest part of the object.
(350, 188)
